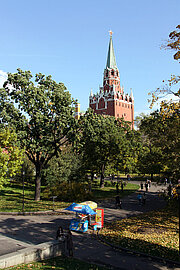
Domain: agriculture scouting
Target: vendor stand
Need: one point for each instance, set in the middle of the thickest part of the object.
(83, 212)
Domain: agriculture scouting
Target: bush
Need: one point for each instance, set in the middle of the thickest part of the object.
(69, 192)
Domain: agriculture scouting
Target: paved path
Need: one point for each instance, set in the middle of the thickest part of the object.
(23, 231)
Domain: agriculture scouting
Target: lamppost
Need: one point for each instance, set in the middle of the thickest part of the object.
(53, 197)
(178, 192)
(23, 174)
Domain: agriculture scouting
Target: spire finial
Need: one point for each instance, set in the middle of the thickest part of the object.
(111, 61)
(110, 33)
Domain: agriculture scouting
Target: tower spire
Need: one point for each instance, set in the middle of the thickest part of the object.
(111, 60)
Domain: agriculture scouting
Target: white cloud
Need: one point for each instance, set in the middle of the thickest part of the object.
(3, 77)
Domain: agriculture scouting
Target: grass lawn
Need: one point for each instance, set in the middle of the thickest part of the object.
(109, 191)
(58, 263)
(155, 233)
(12, 197)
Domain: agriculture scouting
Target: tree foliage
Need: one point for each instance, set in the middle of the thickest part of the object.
(10, 155)
(41, 112)
(105, 142)
(162, 142)
(171, 86)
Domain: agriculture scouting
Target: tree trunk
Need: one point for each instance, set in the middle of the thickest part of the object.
(102, 176)
(91, 180)
(151, 176)
(38, 183)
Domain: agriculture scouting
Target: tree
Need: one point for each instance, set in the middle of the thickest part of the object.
(65, 168)
(171, 86)
(10, 155)
(161, 137)
(41, 113)
(102, 139)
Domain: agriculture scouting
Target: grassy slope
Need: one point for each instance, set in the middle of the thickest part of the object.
(57, 264)
(155, 233)
(12, 198)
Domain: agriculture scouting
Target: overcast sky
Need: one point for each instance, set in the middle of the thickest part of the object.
(69, 40)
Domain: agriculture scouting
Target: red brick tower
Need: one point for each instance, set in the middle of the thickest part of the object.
(111, 99)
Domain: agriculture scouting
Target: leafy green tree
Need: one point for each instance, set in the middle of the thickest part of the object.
(64, 168)
(128, 158)
(41, 113)
(10, 155)
(102, 140)
(161, 136)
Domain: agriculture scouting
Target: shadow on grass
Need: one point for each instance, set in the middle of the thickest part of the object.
(62, 263)
(138, 245)
(102, 193)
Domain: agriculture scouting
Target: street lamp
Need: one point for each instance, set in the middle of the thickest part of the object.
(23, 175)
(178, 192)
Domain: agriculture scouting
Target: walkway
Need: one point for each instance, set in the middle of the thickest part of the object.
(23, 231)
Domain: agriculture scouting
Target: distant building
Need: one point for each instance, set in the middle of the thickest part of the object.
(77, 111)
(111, 99)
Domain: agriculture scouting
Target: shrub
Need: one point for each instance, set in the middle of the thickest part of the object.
(69, 192)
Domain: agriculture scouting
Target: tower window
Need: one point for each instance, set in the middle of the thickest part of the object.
(112, 72)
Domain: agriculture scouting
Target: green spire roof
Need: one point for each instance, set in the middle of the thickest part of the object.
(111, 60)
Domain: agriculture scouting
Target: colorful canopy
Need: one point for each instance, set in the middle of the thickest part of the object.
(92, 205)
(82, 209)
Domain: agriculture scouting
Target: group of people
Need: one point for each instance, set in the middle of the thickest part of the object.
(67, 238)
(117, 187)
(147, 185)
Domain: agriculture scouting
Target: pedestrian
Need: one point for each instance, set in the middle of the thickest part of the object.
(144, 198)
(165, 181)
(170, 190)
(141, 185)
(139, 197)
(122, 187)
(69, 244)
(117, 188)
(118, 202)
(146, 186)
(59, 233)
(128, 177)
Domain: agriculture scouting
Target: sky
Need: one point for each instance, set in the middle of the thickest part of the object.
(69, 40)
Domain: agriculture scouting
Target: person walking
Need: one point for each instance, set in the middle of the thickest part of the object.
(59, 233)
(117, 188)
(146, 186)
(122, 187)
(118, 202)
(139, 197)
(69, 244)
(141, 185)
(144, 198)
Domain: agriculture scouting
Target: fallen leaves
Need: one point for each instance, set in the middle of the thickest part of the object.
(155, 233)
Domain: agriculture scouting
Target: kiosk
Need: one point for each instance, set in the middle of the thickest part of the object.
(83, 214)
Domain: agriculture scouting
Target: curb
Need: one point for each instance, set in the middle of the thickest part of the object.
(31, 254)
(138, 253)
(48, 212)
